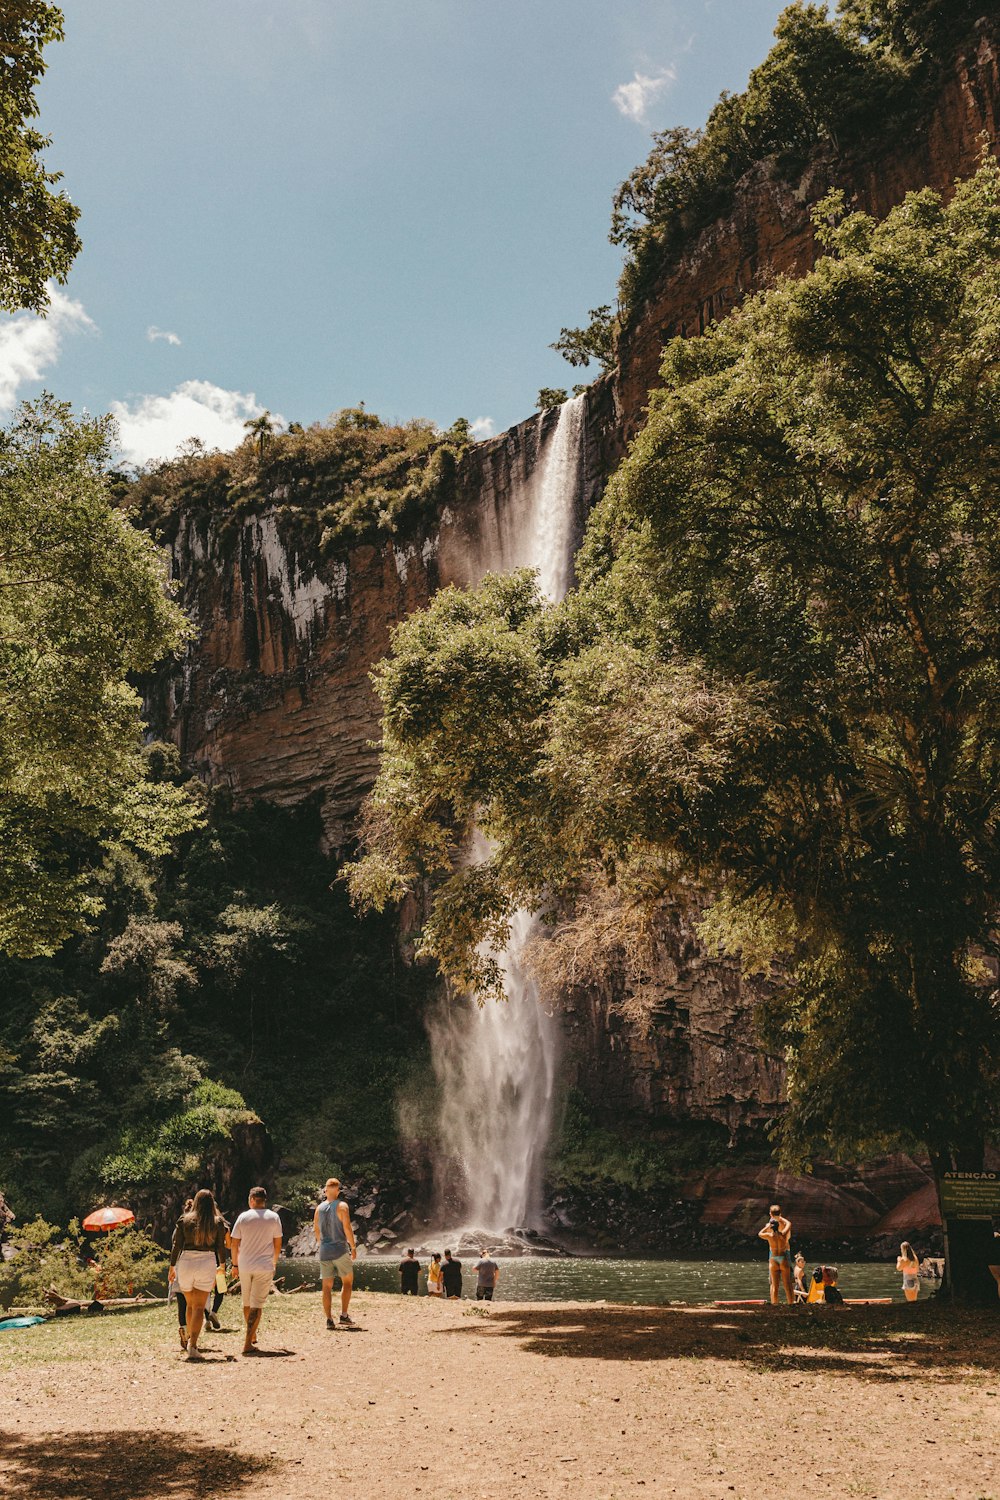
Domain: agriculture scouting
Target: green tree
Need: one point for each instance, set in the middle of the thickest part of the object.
(778, 681)
(593, 344)
(550, 396)
(261, 429)
(83, 605)
(38, 237)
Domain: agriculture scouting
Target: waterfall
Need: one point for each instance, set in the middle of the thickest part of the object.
(496, 1063)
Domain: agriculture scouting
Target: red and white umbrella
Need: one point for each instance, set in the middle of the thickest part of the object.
(109, 1218)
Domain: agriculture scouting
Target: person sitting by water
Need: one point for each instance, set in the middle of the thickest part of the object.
(778, 1234)
(799, 1277)
(831, 1292)
(908, 1263)
(434, 1285)
(816, 1286)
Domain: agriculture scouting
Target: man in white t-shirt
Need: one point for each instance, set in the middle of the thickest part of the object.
(256, 1238)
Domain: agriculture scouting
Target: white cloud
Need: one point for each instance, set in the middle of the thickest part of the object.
(29, 345)
(154, 427)
(633, 99)
(482, 428)
(153, 333)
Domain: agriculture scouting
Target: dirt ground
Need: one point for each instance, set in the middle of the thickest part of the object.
(542, 1399)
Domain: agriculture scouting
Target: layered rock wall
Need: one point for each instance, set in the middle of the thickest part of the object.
(273, 699)
(769, 231)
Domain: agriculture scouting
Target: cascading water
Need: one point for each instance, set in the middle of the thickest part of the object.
(496, 1063)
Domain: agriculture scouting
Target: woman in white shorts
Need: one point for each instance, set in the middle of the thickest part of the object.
(197, 1252)
(908, 1262)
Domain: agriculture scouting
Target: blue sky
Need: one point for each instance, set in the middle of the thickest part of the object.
(302, 204)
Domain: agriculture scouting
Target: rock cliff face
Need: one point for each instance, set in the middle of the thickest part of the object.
(683, 1047)
(273, 698)
(769, 232)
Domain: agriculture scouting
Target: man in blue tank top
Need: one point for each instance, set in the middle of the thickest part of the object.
(337, 1252)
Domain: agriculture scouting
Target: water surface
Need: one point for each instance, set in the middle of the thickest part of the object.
(528, 1279)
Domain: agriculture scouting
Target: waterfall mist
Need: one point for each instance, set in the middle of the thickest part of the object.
(496, 1063)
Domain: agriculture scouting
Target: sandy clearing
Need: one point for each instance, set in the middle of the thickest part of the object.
(534, 1399)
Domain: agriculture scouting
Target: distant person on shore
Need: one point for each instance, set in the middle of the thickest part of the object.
(908, 1264)
(799, 1275)
(434, 1284)
(487, 1275)
(409, 1275)
(816, 1286)
(256, 1241)
(451, 1275)
(778, 1234)
(197, 1252)
(337, 1251)
(831, 1291)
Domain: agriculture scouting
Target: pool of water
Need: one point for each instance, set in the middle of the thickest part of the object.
(530, 1279)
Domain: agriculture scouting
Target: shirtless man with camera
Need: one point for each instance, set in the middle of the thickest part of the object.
(778, 1233)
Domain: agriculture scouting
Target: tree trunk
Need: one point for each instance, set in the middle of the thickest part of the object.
(970, 1249)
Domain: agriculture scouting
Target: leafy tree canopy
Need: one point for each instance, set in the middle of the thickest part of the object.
(778, 680)
(350, 479)
(83, 605)
(38, 238)
(844, 81)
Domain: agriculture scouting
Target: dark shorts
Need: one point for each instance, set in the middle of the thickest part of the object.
(484, 1294)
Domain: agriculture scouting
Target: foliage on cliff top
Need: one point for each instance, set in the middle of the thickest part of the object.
(849, 82)
(83, 607)
(779, 675)
(349, 480)
(38, 238)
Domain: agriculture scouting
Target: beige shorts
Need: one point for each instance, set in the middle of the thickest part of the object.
(343, 1267)
(196, 1271)
(255, 1287)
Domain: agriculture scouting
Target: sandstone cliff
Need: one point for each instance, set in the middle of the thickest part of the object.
(273, 698)
(769, 231)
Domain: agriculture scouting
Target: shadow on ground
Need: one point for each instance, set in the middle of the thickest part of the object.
(892, 1344)
(124, 1465)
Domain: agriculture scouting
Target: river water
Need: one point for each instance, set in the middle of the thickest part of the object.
(583, 1279)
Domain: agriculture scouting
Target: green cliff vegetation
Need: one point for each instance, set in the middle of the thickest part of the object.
(849, 82)
(350, 480)
(777, 679)
(222, 984)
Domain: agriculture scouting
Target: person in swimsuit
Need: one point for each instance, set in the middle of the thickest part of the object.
(778, 1234)
(799, 1274)
(908, 1262)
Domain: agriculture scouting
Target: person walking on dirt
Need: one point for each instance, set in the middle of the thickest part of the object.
(197, 1252)
(256, 1241)
(778, 1234)
(337, 1251)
